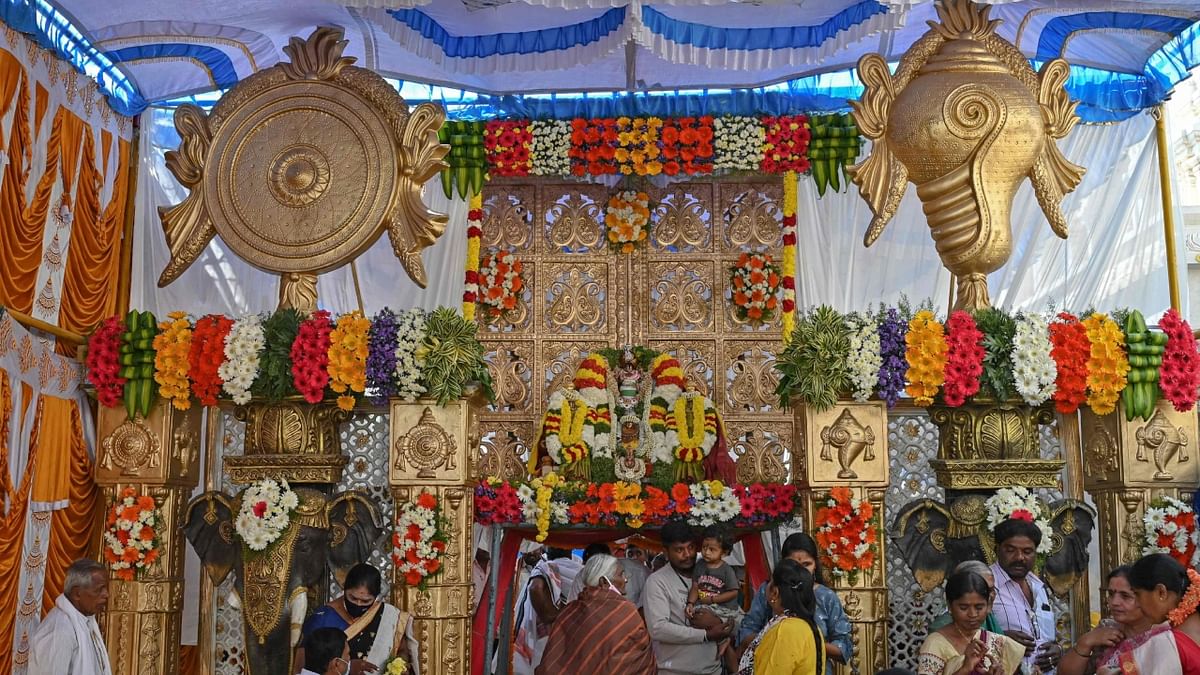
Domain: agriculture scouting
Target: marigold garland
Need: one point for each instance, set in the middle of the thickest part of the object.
(1107, 363)
(637, 150)
(206, 356)
(104, 362)
(1070, 352)
(172, 347)
(627, 220)
(1189, 602)
(130, 538)
(348, 351)
(1179, 374)
(508, 144)
(964, 359)
(926, 356)
(790, 187)
(754, 287)
(310, 356)
(500, 283)
(471, 275)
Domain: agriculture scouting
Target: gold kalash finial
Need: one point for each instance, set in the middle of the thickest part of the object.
(300, 167)
(966, 119)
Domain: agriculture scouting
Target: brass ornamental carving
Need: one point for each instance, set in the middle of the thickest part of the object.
(1164, 442)
(426, 446)
(131, 447)
(851, 440)
(300, 167)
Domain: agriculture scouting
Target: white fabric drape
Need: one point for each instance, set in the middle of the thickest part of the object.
(219, 282)
(1115, 256)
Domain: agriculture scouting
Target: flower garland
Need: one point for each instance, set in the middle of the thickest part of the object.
(738, 142)
(763, 503)
(410, 327)
(1034, 370)
(347, 356)
(419, 543)
(243, 349)
(692, 432)
(471, 275)
(500, 283)
(1107, 364)
(687, 145)
(1070, 353)
(206, 356)
(964, 358)
(1171, 529)
(1018, 503)
(845, 534)
(543, 489)
(567, 439)
(310, 356)
(591, 381)
(637, 150)
(754, 285)
(104, 362)
(496, 502)
(926, 356)
(786, 144)
(865, 355)
(712, 503)
(551, 148)
(893, 373)
(172, 346)
(1189, 602)
(1179, 374)
(265, 513)
(790, 187)
(627, 219)
(593, 147)
(508, 145)
(131, 540)
(382, 356)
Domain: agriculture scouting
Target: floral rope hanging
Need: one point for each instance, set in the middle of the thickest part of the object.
(471, 275)
(790, 186)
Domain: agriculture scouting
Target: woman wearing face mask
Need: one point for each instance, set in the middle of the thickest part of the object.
(375, 631)
(328, 652)
(964, 647)
(1167, 594)
(601, 631)
(1100, 650)
(790, 643)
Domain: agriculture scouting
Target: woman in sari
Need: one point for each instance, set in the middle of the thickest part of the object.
(375, 630)
(601, 631)
(790, 643)
(1100, 649)
(964, 647)
(1167, 594)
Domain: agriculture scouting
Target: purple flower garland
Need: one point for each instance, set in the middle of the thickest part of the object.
(891, 348)
(381, 357)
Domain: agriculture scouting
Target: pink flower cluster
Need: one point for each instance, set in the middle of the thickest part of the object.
(964, 360)
(762, 502)
(104, 362)
(310, 356)
(1179, 374)
(496, 503)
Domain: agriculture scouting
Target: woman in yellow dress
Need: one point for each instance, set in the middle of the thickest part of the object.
(964, 647)
(790, 643)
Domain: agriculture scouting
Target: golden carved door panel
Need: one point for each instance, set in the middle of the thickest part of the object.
(672, 295)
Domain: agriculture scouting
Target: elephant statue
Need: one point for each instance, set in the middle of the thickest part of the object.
(934, 539)
(273, 586)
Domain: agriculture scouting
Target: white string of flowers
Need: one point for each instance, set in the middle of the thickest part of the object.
(1034, 372)
(243, 346)
(410, 332)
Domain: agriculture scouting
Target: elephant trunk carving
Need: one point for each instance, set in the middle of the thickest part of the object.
(275, 587)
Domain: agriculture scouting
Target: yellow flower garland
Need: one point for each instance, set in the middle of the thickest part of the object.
(689, 421)
(790, 199)
(348, 357)
(1107, 364)
(926, 356)
(475, 205)
(171, 348)
(544, 489)
(570, 433)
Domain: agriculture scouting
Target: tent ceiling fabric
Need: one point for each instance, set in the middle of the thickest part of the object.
(175, 48)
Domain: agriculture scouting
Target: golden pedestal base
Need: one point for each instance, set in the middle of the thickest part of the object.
(290, 440)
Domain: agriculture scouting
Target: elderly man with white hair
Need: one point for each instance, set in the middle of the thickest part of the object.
(68, 641)
(601, 632)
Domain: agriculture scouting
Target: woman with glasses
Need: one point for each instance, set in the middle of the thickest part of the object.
(375, 631)
(990, 624)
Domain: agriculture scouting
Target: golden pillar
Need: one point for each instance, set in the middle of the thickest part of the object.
(1129, 464)
(846, 445)
(434, 448)
(159, 456)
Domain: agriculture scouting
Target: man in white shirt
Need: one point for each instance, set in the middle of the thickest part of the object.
(1022, 605)
(68, 641)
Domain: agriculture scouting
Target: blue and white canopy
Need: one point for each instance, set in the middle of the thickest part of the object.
(1126, 55)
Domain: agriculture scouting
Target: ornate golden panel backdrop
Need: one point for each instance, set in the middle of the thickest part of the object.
(670, 295)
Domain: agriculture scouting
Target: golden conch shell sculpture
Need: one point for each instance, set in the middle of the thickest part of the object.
(300, 167)
(966, 119)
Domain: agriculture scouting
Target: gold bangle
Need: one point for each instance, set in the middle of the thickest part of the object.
(1075, 648)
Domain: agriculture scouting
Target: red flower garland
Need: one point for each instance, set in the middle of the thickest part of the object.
(1179, 374)
(593, 146)
(687, 145)
(964, 360)
(104, 362)
(1071, 351)
(786, 144)
(508, 146)
(310, 356)
(206, 355)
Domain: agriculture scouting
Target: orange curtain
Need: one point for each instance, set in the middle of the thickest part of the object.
(74, 530)
(12, 539)
(20, 240)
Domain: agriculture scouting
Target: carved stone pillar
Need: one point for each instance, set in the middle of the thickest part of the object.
(160, 457)
(847, 446)
(435, 448)
(1128, 464)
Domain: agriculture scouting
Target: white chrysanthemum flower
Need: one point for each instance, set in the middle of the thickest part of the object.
(1034, 371)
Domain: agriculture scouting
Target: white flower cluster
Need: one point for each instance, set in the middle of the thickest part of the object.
(1007, 501)
(865, 358)
(410, 332)
(551, 145)
(133, 528)
(1163, 520)
(737, 143)
(500, 271)
(243, 347)
(715, 503)
(1034, 371)
(631, 207)
(265, 513)
(425, 521)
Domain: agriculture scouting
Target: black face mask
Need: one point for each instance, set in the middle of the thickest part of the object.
(354, 610)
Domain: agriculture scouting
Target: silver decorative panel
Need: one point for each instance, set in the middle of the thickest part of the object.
(228, 640)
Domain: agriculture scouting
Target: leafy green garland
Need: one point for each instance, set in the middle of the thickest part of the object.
(275, 381)
(814, 365)
(998, 330)
(452, 358)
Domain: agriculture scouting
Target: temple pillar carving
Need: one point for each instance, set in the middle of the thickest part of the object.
(159, 456)
(434, 448)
